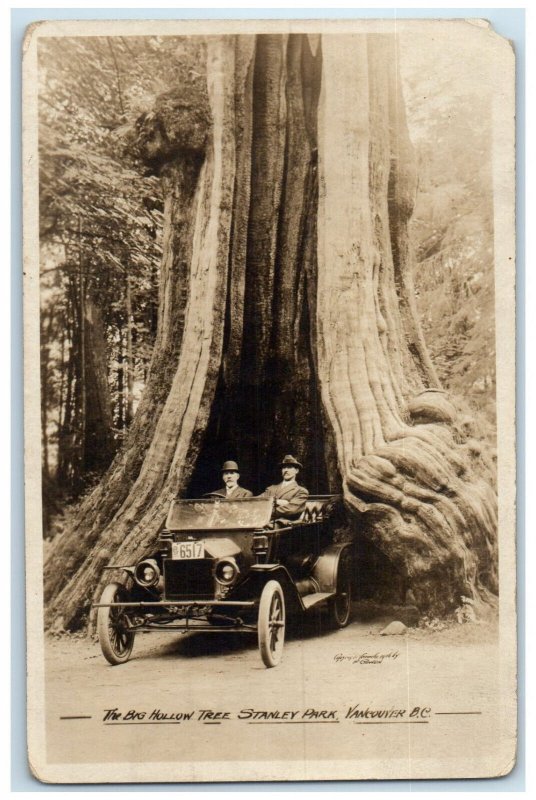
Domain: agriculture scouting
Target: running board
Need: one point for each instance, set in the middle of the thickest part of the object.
(312, 599)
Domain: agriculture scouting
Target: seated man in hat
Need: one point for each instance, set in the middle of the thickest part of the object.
(230, 489)
(290, 497)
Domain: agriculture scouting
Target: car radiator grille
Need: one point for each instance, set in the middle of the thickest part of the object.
(191, 579)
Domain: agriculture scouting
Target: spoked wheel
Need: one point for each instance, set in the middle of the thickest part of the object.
(115, 638)
(339, 607)
(271, 624)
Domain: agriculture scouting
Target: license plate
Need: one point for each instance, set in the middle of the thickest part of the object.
(186, 550)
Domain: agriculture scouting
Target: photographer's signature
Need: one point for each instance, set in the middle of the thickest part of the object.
(367, 658)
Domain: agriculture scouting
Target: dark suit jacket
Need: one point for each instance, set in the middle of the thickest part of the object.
(291, 491)
(238, 494)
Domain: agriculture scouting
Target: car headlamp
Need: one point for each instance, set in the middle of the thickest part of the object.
(147, 573)
(226, 571)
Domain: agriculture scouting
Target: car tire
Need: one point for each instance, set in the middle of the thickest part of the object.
(271, 623)
(115, 639)
(340, 606)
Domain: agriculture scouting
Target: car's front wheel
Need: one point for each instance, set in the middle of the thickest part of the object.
(271, 624)
(115, 638)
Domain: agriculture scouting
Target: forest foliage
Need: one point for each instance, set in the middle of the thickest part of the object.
(101, 240)
(449, 117)
(100, 237)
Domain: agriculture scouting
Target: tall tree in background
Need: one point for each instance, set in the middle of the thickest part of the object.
(452, 223)
(287, 319)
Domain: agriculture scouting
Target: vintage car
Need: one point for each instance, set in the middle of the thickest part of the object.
(226, 565)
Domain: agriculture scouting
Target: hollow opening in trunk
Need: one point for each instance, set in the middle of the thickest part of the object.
(256, 426)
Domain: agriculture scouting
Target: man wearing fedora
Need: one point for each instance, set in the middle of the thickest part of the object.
(290, 497)
(230, 489)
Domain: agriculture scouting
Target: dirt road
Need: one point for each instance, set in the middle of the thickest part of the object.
(337, 698)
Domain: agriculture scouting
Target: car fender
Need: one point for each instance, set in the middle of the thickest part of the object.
(260, 574)
(326, 567)
(130, 583)
(129, 570)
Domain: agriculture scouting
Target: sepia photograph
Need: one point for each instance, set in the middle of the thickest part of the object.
(269, 274)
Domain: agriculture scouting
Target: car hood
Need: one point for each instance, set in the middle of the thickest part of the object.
(221, 547)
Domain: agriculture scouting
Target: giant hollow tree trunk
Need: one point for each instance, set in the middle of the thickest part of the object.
(287, 323)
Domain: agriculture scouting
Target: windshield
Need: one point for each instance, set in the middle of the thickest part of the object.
(214, 514)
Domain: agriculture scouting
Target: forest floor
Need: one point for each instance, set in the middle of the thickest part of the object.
(95, 712)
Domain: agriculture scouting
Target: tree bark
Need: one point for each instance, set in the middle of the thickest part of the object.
(419, 492)
(121, 400)
(45, 379)
(99, 442)
(130, 359)
(65, 432)
(287, 322)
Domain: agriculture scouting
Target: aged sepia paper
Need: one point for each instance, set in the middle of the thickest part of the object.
(280, 253)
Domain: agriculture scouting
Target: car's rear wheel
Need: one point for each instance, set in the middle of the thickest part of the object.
(271, 624)
(340, 606)
(115, 638)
